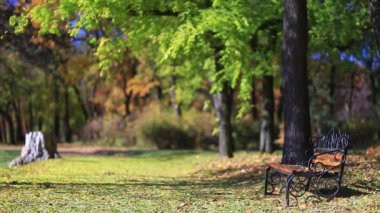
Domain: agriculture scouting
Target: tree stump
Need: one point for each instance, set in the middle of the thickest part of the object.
(33, 150)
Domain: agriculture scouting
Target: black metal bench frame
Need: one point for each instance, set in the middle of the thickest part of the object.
(322, 173)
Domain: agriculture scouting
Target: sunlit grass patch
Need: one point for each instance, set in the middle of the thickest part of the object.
(155, 181)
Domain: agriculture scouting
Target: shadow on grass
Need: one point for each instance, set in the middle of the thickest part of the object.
(346, 192)
(151, 190)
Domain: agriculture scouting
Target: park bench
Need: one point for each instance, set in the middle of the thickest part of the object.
(322, 174)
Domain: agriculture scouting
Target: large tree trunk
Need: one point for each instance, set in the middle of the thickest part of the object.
(223, 105)
(374, 9)
(267, 125)
(295, 82)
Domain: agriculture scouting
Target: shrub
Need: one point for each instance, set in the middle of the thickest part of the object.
(363, 133)
(166, 135)
(247, 134)
(162, 129)
(200, 126)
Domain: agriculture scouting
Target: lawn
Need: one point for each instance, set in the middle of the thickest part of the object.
(168, 181)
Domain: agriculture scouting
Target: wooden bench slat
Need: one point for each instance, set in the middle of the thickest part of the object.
(337, 156)
(288, 168)
(327, 162)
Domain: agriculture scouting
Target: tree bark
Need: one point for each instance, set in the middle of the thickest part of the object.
(223, 102)
(295, 82)
(267, 124)
(223, 105)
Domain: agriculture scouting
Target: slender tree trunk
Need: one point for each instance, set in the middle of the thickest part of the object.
(40, 122)
(82, 103)
(280, 109)
(372, 78)
(159, 90)
(374, 9)
(254, 44)
(53, 137)
(66, 120)
(175, 105)
(31, 116)
(57, 111)
(223, 106)
(11, 131)
(332, 88)
(223, 102)
(374, 86)
(20, 128)
(267, 125)
(352, 87)
(1, 133)
(254, 99)
(295, 82)
(3, 130)
(127, 96)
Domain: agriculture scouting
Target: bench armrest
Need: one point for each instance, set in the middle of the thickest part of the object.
(326, 167)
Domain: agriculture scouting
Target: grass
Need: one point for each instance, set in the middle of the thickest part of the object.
(7, 156)
(167, 181)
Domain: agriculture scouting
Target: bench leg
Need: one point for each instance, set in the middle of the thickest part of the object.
(308, 184)
(288, 178)
(266, 181)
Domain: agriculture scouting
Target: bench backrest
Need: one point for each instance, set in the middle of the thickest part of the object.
(330, 150)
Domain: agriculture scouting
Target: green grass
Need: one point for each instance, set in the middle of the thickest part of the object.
(7, 156)
(166, 181)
